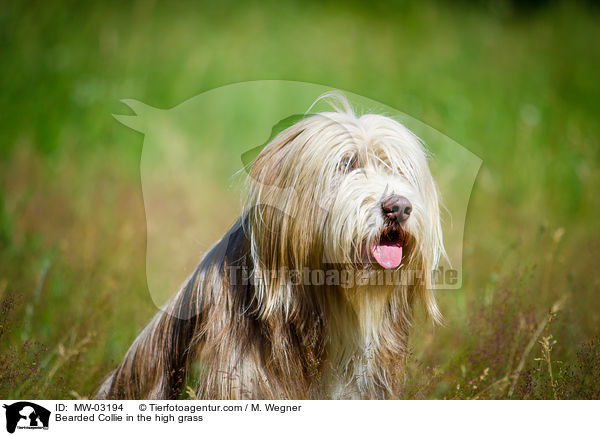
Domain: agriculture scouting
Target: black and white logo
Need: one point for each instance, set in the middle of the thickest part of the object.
(26, 415)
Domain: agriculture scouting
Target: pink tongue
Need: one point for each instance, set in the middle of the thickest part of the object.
(388, 256)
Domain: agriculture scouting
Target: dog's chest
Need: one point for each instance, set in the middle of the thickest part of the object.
(355, 330)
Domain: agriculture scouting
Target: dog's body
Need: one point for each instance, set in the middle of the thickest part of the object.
(269, 312)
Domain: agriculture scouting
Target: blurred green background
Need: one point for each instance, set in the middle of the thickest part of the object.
(516, 84)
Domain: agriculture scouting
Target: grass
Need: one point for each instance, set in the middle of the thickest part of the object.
(517, 87)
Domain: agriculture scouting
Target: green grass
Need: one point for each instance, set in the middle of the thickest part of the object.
(518, 88)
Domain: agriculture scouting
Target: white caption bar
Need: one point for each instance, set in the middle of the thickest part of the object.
(298, 417)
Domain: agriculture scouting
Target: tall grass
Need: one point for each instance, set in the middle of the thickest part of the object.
(518, 88)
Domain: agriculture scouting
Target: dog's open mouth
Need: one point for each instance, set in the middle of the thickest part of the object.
(388, 250)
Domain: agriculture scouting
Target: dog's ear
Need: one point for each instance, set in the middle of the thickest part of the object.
(266, 166)
(435, 247)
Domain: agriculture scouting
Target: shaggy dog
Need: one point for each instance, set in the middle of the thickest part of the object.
(311, 293)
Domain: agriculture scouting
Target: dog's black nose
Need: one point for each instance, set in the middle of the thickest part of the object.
(396, 207)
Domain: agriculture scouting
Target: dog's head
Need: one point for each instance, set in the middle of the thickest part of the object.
(350, 191)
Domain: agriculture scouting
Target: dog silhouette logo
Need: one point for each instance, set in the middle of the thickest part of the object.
(189, 147)
(26, 415)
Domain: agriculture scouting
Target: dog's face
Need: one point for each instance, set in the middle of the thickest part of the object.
(346, 190)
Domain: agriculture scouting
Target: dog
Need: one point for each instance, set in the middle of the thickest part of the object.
(311, 293)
